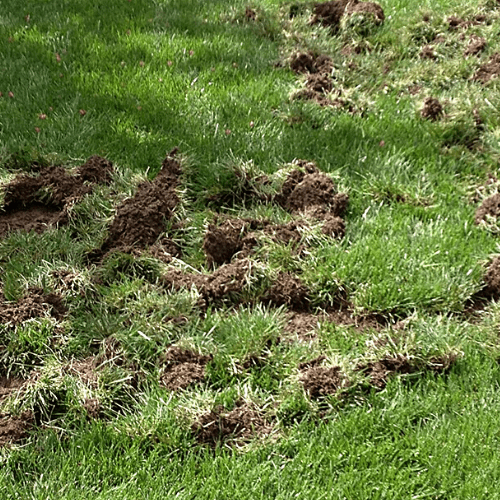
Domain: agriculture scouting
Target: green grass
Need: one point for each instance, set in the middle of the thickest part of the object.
(129, 81)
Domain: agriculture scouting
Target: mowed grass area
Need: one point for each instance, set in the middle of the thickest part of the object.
(131, 80)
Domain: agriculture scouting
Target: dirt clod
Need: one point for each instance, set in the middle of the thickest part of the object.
(14, 428)
(308, 62)
(36, 203)
(476, 46)
(432, 110)
(329, 13)
(288, 290)
(490, 208)
(9, 385)
(489, 70)
(428, 52)
(492, 280)
(374, 9)
(218, 426)
(182, 368)
(34, 304)
(140, 220)
(320, 381)
(250, 14)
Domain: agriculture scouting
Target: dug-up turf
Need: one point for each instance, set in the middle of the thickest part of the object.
(330, 13)
(36, 203)
(489, 209)
(312, 193)
(432, 110)
(321, 381)
(240, 236)
(140, 220)
(218, 426)
(35, 304)
(378, 372)
(489, 70)
(14, 428)
(224, 284)
(181, 368)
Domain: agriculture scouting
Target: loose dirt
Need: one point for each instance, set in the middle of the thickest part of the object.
(432, 110)
(302, 324)
(36, 203)
(9, 385)
(218, 426)
(379, 372)
(140, 220)
(181, 368)
(492, 281)
(288, 290)
(34, 305)
(356, 7)
(321, 381)
(308, 62)
(428, 52)
(489, 70)
(330, 13)
(490, 208)
(14, 428)
(312, 193)
(85, 370)
(226, 283)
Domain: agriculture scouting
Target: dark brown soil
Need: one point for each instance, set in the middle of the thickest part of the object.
(455, 22)
(14, 428)
(356, 7)
(489, 70)
(182, 368)
(34, 305)
(312, 363)
(218, 426)
(302, 324)
(288, 290)
(250, 14)
(379, 372)
(432, 110)
(320, 381)
(140, 220)
(85, 370)
(489, 208)
(476, 46)
(308, 62)
(492, 280)
(333, 226)
(329, 13)
(165, 249)
(228, 280)
(36, 203)
(428, 52)
(319, 83)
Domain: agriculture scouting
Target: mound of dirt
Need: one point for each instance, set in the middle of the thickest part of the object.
(378, 372)
(34, 305)
(226, 283)
(489, 70)
(492, 280)
(140, 220)
(321, 381)
(218, 426)
(14, 428)
(489, 208)
(313, 193)
(182, 368)
(308, 62)
(476, 46)
(35, 203)
(288, 290)
(371, 8)
(432, 110)
(302, 324)
(222, 242)
(250, 14)
(329, 13)
(85, 370)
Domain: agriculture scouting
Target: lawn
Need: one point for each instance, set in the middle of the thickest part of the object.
(249, 249)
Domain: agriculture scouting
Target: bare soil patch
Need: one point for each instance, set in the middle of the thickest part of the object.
(288, 290)
(356, 7)
(302, 324)
(14, 428)
(85, 370)
(380, 371)
(33, 305)
(308, 62)
(140, 220)
(329, 13)
(219, 426)
(492, 281)
(428, 52)
(432, 110)
(9, 385)
(489, 70)
(36, 203)
(321, 381)
(181, 368)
